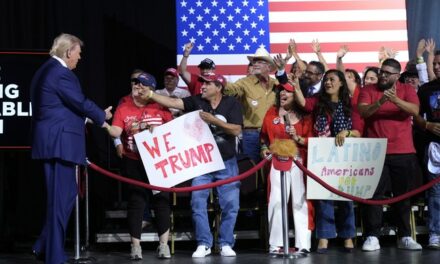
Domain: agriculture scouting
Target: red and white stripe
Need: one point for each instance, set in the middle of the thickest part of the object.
(363, 25)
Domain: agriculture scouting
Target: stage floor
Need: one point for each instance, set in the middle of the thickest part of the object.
(119, 255)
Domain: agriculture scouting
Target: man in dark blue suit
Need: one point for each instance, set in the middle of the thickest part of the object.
(59, 111)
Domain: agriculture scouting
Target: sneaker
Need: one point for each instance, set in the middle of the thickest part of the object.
(227, 251)
(434, 241)
(136, 252)
(408, 243)
(201, 252)
(371, 244)
(163, 251)
(304, 250)
(274, 250)
(280, 250)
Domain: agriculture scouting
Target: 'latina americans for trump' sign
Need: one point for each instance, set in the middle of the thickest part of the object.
(353, 168)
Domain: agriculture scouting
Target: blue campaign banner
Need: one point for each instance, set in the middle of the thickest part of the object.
(16, 71)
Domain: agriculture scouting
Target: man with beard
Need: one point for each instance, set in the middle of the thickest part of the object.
(312, 78)
(388, 108)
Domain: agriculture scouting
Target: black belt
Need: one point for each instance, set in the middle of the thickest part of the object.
(252, 128)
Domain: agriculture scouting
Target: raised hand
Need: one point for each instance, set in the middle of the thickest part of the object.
(420, 48)
(291, 49)
(188, 47)
(342, 51)
(430, 46)
(316, 46)
(279, 62)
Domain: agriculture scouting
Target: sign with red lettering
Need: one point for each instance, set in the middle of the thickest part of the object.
(179, 151)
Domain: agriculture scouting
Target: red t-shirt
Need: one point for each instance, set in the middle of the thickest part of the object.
(134, 119)
(195, 86)
(389, 121)
(272, 128)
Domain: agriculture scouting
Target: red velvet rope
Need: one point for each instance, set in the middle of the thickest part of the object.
(252, 171)
(178, 189)
(365, 201)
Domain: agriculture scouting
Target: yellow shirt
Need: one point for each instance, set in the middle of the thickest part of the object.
(254, 97)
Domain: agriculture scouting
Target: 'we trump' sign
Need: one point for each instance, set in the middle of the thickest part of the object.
(178, 151)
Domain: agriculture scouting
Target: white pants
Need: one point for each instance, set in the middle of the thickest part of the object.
(301, 218)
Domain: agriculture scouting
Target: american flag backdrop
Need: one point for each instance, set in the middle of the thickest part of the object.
(228, 30)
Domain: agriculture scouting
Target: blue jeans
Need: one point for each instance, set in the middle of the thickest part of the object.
(251, 144)
(433, 206)
(327, 227)
(229, 199)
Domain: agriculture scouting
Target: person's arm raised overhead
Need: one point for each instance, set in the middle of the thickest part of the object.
(430, 48)
(339, 55)
(184, 73)
(316, 46)
(293, 52)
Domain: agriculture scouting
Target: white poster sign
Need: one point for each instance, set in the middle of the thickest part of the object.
(354, 168)
(178, 151)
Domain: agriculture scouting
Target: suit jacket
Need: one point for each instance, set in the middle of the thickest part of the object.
(59, 109)
(283, 79)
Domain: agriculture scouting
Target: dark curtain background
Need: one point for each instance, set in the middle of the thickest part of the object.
(119, 35)
(423, 21)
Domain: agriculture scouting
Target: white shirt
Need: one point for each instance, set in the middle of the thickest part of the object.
(60, 60)
(177, 93)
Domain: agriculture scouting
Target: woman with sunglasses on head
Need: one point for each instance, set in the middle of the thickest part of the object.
(333, 116)
(133, 115)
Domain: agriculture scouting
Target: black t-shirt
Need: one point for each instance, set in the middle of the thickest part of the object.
(228, 110)
(429, 96)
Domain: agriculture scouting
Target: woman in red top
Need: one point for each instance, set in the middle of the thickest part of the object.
(132, 116)
(299, 128)
(333, 116)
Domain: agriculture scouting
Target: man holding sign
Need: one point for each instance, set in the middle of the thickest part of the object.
(224, 117)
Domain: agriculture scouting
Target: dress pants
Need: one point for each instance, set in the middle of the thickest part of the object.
(302, 209)
(61, 193)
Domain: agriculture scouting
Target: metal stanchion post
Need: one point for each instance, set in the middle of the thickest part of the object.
(77, 227)
(77, 259)
(86, 200)
(284, 214)
(286, 249)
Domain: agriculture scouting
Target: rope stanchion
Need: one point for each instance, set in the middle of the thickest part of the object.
(178, 189)
(366, 201)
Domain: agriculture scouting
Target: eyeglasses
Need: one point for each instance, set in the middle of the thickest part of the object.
(135, 81)
(386, 73)
(312, 73)
(259, 62)
(408, 78)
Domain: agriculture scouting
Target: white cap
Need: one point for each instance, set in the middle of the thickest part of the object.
(434, 158)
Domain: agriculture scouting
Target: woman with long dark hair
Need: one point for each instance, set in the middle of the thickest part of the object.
(333, 116)
(286, 120)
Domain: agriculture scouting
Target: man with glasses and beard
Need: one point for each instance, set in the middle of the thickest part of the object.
(312, 78)
(387, 108)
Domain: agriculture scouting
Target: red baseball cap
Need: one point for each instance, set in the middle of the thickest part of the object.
(212, 77)
(172, 71)
(282, 163)
(287, 86)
